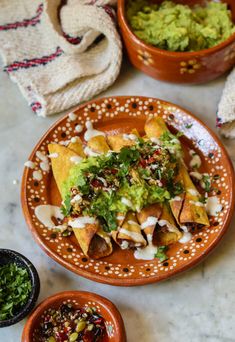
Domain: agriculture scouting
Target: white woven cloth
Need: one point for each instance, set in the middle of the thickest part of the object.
(59, 55)
(226, 109)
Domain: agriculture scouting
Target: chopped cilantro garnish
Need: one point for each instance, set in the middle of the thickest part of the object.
(127, 156)
(206, 182)
(66, 207)
(171, 142)
(179, 134)
(188, 126)
(202, 199)
(161, 253)
(141, 174)
(178, 188)
(15, 287)
(100, 207)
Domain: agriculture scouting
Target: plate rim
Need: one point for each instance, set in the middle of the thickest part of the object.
(135, 281)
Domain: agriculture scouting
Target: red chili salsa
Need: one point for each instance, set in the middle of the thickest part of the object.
(71, 324)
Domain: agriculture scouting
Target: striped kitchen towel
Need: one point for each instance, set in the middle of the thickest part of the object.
(226, 110)
(60, 53)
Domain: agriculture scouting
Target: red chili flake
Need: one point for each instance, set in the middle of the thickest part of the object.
(99, 321)
(61, 336)
(150, 160)
(114, 171)
(143, 162)
(88, 336)
(157, 151)
(47, 319)
(96, 183)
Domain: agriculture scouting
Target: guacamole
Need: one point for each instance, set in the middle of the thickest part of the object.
(177, 27)
(110, 184)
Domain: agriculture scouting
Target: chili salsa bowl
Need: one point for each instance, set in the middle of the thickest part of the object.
(115, 331)
(119, 115)
(178, 67)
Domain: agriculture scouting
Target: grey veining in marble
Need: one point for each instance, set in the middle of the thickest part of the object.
(197, 306)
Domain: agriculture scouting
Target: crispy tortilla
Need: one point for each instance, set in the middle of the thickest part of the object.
(117, 142)
(100, 245)
(167, 232)
(94, 242)
(185, 211)
(193, 211)
(98, 144)
(77, 147)
(153, 210)
(129, 234)
(61, 164)
(154, 127)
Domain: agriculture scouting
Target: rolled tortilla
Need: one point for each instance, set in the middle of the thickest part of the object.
(154, 127)
(167, 232)
(62, 161)
(193, 212)
(186, 208)
(94, 242)
(98, 144)
(117, 142)
(120, 220)
(148, 218)
(129, 234)
(77, 147)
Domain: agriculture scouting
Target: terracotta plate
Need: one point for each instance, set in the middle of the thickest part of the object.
(121, 114)
(113, 320)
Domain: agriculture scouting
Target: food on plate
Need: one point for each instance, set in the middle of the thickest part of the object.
(132, 191)
(72, 324)
(15, 288)
(176, 27)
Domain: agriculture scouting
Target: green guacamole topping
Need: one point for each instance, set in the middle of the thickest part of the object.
(107, 185)
(177, 27)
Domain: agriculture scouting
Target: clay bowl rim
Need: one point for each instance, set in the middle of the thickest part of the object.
(123, 23)
(116, 281)
(13, 256)
(118, 322)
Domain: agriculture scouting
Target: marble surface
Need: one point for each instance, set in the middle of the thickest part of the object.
(197, 306)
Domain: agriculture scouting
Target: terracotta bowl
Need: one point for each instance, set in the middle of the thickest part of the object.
(114, 323)
(178, 67)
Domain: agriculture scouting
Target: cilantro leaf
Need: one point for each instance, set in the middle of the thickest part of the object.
(128, 155)
(161, 255)
(206, 182)
(100, 207)
(66, 207)
(15, 287)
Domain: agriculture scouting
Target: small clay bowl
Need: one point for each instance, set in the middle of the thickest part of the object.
(178, 67)
(8, 256)
(114, 323)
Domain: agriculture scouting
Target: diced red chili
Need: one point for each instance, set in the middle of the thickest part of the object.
(99, 321)
(96, 183)
(114, 171)
(61, 336)
(143, 163)
(151, 160)
(88, 336)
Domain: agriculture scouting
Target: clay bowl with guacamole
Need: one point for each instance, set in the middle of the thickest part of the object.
(179, 41)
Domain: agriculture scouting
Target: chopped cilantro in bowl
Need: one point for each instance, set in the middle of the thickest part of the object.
(15, 287)
(19, 287)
